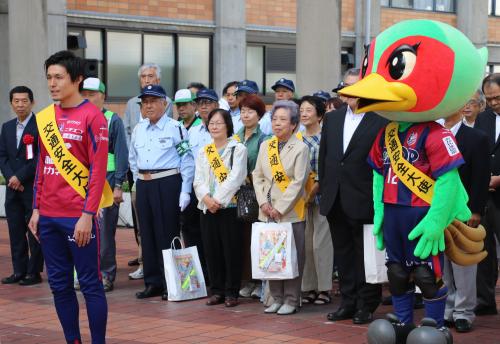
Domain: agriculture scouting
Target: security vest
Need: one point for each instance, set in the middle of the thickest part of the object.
(111, 157)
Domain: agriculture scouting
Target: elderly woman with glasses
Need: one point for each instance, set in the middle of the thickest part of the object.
(221, 168)
(281, 206)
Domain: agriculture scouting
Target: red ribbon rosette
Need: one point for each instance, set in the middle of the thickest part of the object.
(28, 139)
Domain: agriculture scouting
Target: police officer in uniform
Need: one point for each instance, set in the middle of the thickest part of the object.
(163, 167)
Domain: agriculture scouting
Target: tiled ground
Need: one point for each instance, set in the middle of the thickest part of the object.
(27, 315)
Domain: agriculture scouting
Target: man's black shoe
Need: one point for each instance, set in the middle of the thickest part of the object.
(362, 317)
(463, 325)
(449, 323)
(14, 278)
(485, 310)
(164, 296)
(150, 291)
(341, 314)
(31, 279)
(133, 262)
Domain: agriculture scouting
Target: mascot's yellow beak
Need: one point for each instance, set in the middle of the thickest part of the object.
(377, 94)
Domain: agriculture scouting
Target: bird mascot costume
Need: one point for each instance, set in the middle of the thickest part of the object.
(414, 73)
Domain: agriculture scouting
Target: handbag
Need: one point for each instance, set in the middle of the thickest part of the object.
(375, 269)
(247, 207)
(183, 273)
(273, 251)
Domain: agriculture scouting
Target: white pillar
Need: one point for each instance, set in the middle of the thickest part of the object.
(36, 30)
(318, 45)
(229, 43)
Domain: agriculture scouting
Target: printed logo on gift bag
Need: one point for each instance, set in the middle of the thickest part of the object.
(272, 251)
(187, 273)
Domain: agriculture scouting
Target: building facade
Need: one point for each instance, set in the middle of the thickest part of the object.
(217, 41)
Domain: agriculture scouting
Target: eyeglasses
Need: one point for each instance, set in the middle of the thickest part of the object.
(216, 124)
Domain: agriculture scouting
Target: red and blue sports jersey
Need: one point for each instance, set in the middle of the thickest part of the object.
(427, 146)
(85, 132)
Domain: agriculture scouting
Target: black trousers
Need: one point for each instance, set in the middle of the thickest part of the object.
(347, 236)
(25, 250)
(221, 235)
(191, 231)
(158, 215)
(487, 269)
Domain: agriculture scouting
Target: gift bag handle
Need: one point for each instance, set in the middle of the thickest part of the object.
(172, 244)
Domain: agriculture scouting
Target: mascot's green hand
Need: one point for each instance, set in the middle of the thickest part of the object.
(449, 202)
(378, 207)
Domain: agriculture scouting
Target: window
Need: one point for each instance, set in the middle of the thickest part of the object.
(160, 49)
(266, 64)
(120, 53)
(423, 5)
(194, 60)
(494, 7)
(124, 56)
(255, 65)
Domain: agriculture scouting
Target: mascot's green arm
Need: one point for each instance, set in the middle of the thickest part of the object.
(378, 207)
(449, 202)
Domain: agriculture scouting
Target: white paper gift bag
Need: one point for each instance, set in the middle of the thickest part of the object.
(274, 256)
(183, 273)
(375, 269)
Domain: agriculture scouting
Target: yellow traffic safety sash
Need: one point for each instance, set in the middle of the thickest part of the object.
(216, 163)
(418, 182)
(68, 166)
(279, 174)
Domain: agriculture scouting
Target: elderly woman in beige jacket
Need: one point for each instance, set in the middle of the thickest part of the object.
(221, 168)
(284, 206)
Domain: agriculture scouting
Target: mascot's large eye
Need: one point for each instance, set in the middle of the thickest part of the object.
(364, 66)
(402, 61)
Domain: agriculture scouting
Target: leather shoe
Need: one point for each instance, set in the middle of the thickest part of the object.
(31, 279)
(341, 314)
(231, 302)
(150, 291)
(463, 325)
(164, 296)
(449, 323)
(362, 317)
(485, 310)
(215, 300)
(14, 278)
(133, 262)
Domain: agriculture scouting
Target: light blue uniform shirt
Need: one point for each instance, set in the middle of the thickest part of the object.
(199, 137)
(265, 124)
(152, 147)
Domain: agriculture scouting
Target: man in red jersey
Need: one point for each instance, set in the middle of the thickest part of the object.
(64, 219)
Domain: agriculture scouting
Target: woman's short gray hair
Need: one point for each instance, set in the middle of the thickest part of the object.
(292, 107)
(155, 66)
(482, 98)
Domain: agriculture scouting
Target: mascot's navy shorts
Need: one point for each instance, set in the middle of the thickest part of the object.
(399, 221)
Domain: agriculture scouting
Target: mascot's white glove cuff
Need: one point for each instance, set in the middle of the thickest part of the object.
(184, 200)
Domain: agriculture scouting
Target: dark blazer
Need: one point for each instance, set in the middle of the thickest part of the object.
(486, 122)
(13, 159)
(347, 174)
(475, 173)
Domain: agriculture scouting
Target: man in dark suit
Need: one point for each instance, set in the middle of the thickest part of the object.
(18, 152)
(487, 270)
(475, 176)
(346, 200)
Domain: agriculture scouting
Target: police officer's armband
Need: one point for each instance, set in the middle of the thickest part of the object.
(183, 147)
